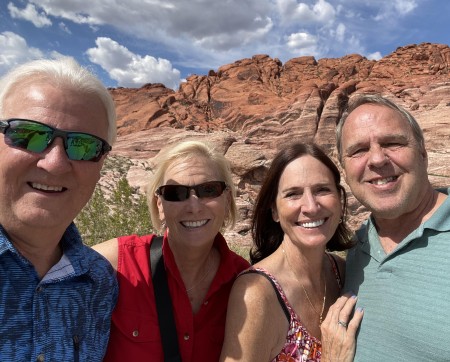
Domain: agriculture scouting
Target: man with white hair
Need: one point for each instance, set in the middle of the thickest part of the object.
(57, 122)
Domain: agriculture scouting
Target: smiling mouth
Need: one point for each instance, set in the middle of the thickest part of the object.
(46, 188)
(194, 224)
(383, 181)
(311, 224)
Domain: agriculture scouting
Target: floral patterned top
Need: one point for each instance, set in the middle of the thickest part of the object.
(300, 346)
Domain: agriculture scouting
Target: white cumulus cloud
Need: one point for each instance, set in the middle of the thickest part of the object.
(375, 56)
(30, 13)
(64, 27)
(198, 35)
(395, 8)
(129, 69)
(293, 11)
(302, 44)
(14, 51)
(340, 33)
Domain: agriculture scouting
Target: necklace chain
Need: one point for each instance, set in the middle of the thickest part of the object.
(203, 276)
(306, 293)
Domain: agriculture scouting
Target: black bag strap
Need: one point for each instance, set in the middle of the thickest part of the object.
(163, 301)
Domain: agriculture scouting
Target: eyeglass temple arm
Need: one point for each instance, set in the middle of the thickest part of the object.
(106, 147)
(3, 126)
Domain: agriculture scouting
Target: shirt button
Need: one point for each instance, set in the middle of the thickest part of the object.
(40, 358)
(135, 333)
(206, 302)
(39, 289)
(186, 337)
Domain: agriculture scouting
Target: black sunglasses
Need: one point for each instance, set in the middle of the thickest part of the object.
(36, 137)
(210, 189)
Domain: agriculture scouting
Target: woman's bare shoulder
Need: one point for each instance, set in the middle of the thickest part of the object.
(109, 249)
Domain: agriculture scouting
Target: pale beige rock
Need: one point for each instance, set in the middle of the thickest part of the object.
(252, 106)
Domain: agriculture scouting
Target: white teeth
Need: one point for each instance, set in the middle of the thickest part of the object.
(194, 224)
(383, 181)
(46, 187)
(312, 224)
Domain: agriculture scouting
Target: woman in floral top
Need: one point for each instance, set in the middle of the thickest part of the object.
(277, 308)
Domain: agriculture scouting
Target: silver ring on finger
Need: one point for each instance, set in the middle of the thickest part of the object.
(343, 324)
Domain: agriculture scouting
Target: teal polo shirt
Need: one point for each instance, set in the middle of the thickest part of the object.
(405, 295)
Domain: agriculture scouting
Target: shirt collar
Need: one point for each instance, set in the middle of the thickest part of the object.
(71, 243)
(5, 244)
(439, 221)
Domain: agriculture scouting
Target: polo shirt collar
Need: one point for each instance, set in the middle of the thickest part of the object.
(439, 221)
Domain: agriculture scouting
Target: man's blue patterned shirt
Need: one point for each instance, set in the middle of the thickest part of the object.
(63, 317)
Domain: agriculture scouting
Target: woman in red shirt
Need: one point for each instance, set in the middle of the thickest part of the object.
(191, 198)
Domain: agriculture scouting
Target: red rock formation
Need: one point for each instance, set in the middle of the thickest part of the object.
(250, 107)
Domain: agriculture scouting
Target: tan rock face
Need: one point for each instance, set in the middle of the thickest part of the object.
(252, 106)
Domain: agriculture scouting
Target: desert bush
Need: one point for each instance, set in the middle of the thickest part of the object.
(123, 212)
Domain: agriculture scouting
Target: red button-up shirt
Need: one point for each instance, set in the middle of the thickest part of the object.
(135, 331)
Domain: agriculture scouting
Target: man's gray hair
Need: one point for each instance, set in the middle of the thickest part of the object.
(377, 99)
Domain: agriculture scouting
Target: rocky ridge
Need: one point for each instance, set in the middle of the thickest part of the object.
(250, 107)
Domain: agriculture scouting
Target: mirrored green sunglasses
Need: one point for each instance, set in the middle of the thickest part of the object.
(36, 137)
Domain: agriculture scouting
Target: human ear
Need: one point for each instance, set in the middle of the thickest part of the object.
(275, 214)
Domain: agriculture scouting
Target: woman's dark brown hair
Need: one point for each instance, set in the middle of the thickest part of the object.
(267, 234)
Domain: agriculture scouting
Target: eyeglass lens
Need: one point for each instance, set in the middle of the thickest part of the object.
(210, 189)
(36, 137)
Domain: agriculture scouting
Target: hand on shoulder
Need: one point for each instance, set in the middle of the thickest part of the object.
(339, 330)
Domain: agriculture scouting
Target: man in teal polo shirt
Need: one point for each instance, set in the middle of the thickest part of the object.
(400, 265)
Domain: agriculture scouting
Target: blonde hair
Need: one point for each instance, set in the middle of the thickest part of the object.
(186, 151)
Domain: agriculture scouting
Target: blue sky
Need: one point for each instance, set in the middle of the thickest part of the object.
(130, 43)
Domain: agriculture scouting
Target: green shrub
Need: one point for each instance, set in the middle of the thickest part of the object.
(124, 212)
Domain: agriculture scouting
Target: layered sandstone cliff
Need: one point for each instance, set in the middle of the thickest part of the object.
(250, 107)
